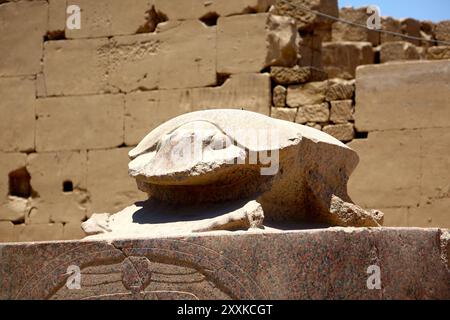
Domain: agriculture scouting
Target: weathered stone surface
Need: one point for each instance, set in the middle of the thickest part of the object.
(59, 120)
(38, 232)
(391, 177)
(398, 50)
(9, 162)
(13, 207)
(296, 75)
(308, 94)
(286, 114)
(396, 217)
(60, 180)
(435, 144)
(341, 111)
(57, 16)
(147, 110)
(337, 257)
(17, 104)
(194, 9)
(411, 27)
(442, 31)
(74, 67)
(105, 166)
(391, 25)
(279, 96)
(72, 230)
(414, 95)
(273, 42)
(7, 231)
(340, 90)
(197, 42)
(24, 25)
(438, 53)
(345, 32)
(342, 132)
(41, 90)
(435, 213)
(313, 113)
(340, 59)
(101, 18)
(307, 20)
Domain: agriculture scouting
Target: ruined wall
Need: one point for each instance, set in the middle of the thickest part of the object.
(73, 102)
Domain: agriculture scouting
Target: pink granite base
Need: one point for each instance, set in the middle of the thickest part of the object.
(317, 264)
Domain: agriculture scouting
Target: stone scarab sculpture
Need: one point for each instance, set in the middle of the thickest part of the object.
(232, 169)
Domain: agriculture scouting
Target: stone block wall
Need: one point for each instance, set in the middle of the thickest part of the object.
(75, 101)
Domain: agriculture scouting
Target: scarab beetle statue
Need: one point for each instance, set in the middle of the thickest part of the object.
(227, 169)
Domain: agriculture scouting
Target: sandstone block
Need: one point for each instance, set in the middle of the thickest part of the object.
(279, 96)
(296, 75)
(273, 42)
(391, 25)
(438, 53)
(133, 62)
(435, 182)
(60, 179)
(313, 113)
(79, 123)
(308, 94)
(146, 110)
(105, 166)
(39, 232)
(73, 231)
(305, 19)
(338, 256)
(410, 90)
(411, 27)
(340, 59)
(17, 104)
(310, 50)
(442, 31)
(432, 215)
(24, 25)
(57, 16)
(194, 9)
(9, 162)
(101, 18)
(340, 90)
(343, 132)
(241, 91)
(7, 232)
(395, 217)
(399, 50)
(15, 209)
(345, 32)
(74, 67)
(341, 111)
(391, 177)
(287, 114)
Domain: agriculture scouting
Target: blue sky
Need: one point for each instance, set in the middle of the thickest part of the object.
(434, 10)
